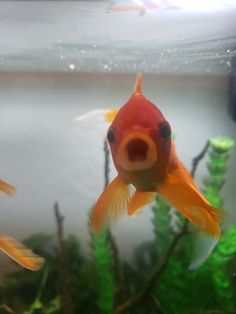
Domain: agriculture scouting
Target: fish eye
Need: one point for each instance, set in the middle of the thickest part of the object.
(111, 137)
(165, 131)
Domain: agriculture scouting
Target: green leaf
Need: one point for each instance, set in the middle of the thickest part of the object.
(222, 144)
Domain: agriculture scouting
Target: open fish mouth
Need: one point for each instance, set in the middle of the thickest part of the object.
(137, 151)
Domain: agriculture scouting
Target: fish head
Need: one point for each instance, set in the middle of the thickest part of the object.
(139, 136)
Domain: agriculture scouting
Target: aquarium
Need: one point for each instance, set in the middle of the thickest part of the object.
(66, 68)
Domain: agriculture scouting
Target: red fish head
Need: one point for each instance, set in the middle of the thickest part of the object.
(139, 136)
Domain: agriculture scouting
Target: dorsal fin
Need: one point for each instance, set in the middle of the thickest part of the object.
(138, 85)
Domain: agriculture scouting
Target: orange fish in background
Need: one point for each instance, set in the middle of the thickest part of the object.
(141, 6)
(14, 249)
(147, 165)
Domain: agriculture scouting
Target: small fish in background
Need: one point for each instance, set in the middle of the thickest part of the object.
(147, 165)
(14, 249)
(7, 188)
(108, 113)
(141, 6)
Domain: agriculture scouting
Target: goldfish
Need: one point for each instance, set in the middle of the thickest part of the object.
(13, 248)
(140, 6)
(7, 188)
(109, 114)
(145, 158)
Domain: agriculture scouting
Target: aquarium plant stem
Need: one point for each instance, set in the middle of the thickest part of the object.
(154, 276)
(157, 272)
(67, 304)
(117, 266)
(107, 162)
(198, 158)
(43, 283)
(37, 303)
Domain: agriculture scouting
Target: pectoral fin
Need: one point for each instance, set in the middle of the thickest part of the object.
(7, 188)
(112, 203)
(180, 191)
(139, 200)
(19, 253)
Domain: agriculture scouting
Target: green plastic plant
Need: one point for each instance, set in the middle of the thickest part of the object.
(223, 277)
(39, 292)
(207, 289)
(54, 305)
(161, 224)
(217, 165)
(213, 275)
(102, 256)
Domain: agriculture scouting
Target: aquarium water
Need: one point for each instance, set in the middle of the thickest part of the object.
(62, 65)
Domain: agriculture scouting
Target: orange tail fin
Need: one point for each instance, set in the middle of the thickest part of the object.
(19, 253)
(7, 188)
(112, 203)
(181, 192)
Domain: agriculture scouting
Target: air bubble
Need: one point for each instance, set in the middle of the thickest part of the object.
(72, 66)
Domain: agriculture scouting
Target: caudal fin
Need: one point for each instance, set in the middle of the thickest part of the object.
(20, 254)
(181, 192)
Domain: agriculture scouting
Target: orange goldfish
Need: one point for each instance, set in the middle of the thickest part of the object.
(140, 6)
(147, 165)
(14, 249)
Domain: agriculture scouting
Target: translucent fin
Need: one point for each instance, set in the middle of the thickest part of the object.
(110, 115)
(19, 253)
(181, 192)
(138, 85)
(139, 200)
(7, 188)
(203, 248)
(112, 203)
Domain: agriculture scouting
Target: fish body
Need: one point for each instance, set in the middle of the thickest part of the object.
(147, 164)
(141, 145)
